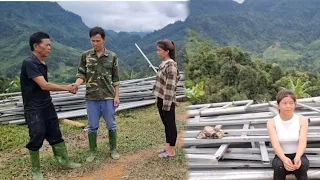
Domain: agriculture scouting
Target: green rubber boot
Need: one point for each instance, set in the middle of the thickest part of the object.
(113, 144)
(35, 162)
(93, 146)
(61, 155)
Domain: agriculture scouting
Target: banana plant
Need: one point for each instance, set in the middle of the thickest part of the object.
(195, 93)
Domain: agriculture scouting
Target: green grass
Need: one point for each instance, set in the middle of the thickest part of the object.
(12, 136)
(17, 136)
(158, 169)
(138, 129)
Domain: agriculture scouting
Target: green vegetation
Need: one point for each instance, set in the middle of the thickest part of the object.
(125, 75)
(252, 50)
(139, 130)
(70, 38)
(14, 85)
(229, 74)
(196, 92)
(4, 84)
(282, 32)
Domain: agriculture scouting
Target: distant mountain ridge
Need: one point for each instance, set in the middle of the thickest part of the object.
(70, 37)
(281, 31)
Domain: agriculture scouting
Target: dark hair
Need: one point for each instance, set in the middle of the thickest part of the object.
(36, 38)
(97, 30)
(285, 93)
(168, 45)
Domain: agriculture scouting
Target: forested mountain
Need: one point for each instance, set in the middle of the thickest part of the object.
(70, 37)
(228, 73)
(281, 31)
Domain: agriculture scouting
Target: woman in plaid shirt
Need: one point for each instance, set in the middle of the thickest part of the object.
(165, 92)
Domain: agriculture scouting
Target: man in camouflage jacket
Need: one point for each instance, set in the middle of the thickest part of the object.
(98, 68)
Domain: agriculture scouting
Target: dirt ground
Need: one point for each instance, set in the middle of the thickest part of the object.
(141, 164)
(115, 171)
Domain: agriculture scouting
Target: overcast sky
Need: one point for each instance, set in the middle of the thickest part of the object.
(138, 16)
(239, 1)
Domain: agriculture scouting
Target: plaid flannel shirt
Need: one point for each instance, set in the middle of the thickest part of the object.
(166, 83)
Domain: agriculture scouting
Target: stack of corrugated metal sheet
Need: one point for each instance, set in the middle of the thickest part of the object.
(246, 153)
(133, 93)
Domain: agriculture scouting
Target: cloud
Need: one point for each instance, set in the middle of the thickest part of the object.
(141, 16)
(239, 1)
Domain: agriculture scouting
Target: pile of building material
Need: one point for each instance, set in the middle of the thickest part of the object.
(246, 152)
(133, 93)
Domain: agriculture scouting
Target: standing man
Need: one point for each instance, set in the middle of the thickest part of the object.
(98, 67)
(39, 111)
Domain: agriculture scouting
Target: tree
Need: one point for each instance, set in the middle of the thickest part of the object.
(4, 83)
(132, 75)
(228, 73)
(299, 88)
(14, 85)
(276, 72)
(247, 81)
(195, 93)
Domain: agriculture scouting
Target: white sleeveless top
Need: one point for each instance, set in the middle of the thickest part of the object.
(288, 133)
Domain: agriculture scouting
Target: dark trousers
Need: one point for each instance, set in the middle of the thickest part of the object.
(43, 124)
(169, 121)
(280, 172)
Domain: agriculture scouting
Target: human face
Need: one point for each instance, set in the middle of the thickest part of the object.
(43, 48)
(97, 42)
(162, 54)
(287, 106)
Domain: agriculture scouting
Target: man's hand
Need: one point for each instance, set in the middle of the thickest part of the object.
(76, 87)
(72, 88)
(116, 102)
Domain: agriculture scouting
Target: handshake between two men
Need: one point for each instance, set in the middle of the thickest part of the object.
(73, 88)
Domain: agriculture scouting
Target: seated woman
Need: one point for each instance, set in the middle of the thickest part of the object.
(288, 135)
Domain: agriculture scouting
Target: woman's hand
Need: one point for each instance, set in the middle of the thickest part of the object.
(297, 162)
(288, 165)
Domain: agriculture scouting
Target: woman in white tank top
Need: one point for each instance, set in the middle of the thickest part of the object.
(288, 135)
